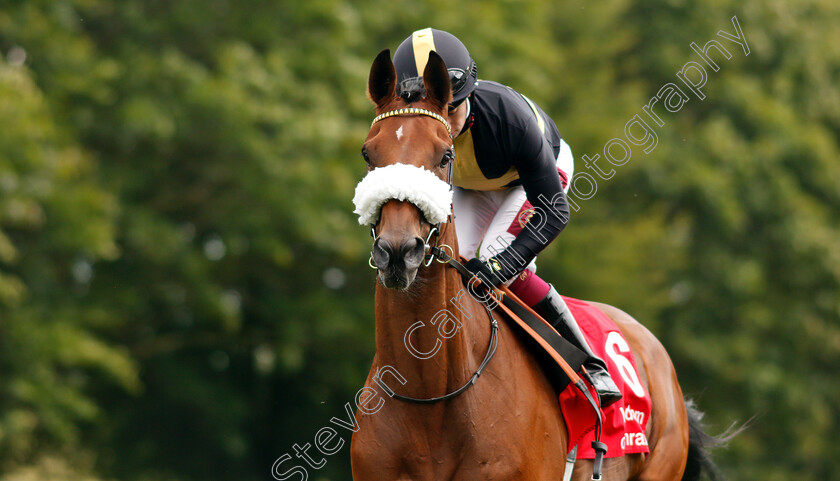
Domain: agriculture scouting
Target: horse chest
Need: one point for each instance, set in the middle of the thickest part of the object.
(467, 443)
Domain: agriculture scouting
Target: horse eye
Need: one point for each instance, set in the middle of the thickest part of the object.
(448, 156)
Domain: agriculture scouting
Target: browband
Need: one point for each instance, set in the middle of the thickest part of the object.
(416, 111)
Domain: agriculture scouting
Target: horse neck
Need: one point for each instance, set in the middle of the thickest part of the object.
(436, 295)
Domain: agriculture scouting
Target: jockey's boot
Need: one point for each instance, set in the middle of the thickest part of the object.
(557, 313)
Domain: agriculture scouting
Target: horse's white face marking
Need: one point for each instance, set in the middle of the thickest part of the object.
(399, 133)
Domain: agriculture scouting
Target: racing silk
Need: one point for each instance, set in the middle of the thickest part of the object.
(513, 142)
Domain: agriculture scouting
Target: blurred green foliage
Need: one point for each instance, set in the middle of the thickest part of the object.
(183, 287)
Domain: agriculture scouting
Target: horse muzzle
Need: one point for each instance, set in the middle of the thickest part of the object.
(398, 260)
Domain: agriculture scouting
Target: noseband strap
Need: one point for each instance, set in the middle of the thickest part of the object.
(413, 111)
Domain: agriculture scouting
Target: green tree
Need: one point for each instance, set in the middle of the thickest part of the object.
(183, 287)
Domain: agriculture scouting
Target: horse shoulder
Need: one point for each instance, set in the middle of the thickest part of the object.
(523, 424)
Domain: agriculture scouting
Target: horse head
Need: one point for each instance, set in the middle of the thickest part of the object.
(408, 154)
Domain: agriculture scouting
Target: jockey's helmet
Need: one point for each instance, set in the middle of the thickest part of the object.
(413, 53)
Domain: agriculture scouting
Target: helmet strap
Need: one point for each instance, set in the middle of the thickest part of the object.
(470, 117)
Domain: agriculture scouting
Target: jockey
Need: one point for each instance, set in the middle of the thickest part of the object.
(511, 174)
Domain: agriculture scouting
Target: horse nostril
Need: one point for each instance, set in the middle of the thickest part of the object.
(381, 253)
(407, 256)
(413, 252)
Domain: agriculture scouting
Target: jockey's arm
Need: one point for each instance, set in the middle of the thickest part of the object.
(536, 165)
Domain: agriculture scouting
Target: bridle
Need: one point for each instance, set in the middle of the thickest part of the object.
(439, 252)
(414, 111)
(432, 252)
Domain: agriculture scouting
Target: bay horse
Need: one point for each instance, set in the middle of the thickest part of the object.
(431, 338)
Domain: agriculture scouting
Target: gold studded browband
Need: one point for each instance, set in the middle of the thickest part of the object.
(413, 111)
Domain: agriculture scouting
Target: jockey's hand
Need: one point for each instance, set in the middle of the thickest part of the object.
(491, 272)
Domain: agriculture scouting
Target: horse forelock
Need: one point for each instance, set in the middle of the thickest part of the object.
(412, 89)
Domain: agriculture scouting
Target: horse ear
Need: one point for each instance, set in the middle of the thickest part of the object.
(436, 81)
(382, 82)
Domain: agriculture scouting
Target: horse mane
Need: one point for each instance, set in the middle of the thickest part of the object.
(412, 89)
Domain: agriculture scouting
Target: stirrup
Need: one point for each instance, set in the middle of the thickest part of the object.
(605, 387)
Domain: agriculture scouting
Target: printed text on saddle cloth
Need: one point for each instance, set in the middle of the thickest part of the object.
(626, 420)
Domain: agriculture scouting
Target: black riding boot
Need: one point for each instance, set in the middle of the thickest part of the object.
(557, 313)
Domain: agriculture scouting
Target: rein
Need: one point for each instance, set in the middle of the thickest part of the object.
(599, 447)
(491, 351)
(438, 252)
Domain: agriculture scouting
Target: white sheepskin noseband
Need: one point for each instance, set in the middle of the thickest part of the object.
(402, 182)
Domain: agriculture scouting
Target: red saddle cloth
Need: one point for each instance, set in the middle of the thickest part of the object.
(624, 422)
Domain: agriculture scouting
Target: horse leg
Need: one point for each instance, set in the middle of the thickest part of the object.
(668, 425)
